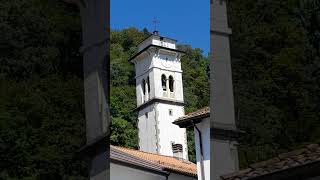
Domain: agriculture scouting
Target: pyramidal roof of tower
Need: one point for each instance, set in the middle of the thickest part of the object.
(167, 163)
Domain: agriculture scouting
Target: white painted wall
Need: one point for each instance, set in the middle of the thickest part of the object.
(169, 132)
(157, 132)
(155, 40)
(148, 140)
(173, 176)
(119, 172)
(204, 128)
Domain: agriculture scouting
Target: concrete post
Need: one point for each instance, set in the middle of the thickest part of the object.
(95, 36)
(224, 155)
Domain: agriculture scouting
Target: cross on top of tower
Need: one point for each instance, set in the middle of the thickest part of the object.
(155, 22)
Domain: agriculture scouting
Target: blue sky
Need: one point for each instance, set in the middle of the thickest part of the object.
(187, 21)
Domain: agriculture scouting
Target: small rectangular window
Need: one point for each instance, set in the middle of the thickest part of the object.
(146, 114)
(170, 112)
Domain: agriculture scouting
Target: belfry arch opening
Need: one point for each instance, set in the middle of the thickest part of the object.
(163, 82)
(171, 84)
(144, 87)
(148, 84)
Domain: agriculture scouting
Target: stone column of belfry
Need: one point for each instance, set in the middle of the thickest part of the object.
(224, 155)
(95, 23)
(146, 96)
(167, 86)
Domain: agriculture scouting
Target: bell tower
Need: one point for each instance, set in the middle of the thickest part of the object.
(159, 94)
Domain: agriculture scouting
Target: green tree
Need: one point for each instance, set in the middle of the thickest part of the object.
(275, 63)
(41, 106)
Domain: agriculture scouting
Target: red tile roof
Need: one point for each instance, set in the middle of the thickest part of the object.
(167, 162)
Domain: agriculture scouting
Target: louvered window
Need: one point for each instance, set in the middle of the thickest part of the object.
(177, 150)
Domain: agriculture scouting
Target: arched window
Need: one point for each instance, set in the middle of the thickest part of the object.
(148, 83)
(171, 83)
(163, 81)
(144, 87)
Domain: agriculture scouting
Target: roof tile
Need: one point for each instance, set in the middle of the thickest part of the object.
(167, 162)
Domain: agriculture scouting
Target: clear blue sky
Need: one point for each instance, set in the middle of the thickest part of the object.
(187, 21)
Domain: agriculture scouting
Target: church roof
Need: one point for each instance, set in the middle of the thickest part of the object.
(297, 163)
(168, 163)
(194, 117)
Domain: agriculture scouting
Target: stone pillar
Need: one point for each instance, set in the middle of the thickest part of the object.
(224, 155)
(95, 36)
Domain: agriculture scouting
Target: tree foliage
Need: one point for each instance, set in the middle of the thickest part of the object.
(275, 61)
(41, 89)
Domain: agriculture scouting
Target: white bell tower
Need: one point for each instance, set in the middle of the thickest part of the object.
(160, 96)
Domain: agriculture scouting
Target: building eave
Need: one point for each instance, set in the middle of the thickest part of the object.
(190, 121)
(192, 118)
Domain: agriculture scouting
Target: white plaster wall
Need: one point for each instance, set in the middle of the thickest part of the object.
(147, 130)
(119, 172)
(204, 128)
(224, 157)
(165, 43)
(169, 132)
(142, 68)
(167, 61)
(173, 176)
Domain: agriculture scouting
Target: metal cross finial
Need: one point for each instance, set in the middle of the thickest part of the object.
(155, 21)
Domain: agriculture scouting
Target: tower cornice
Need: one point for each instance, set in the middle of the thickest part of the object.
(161, 100)
(154, 46)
